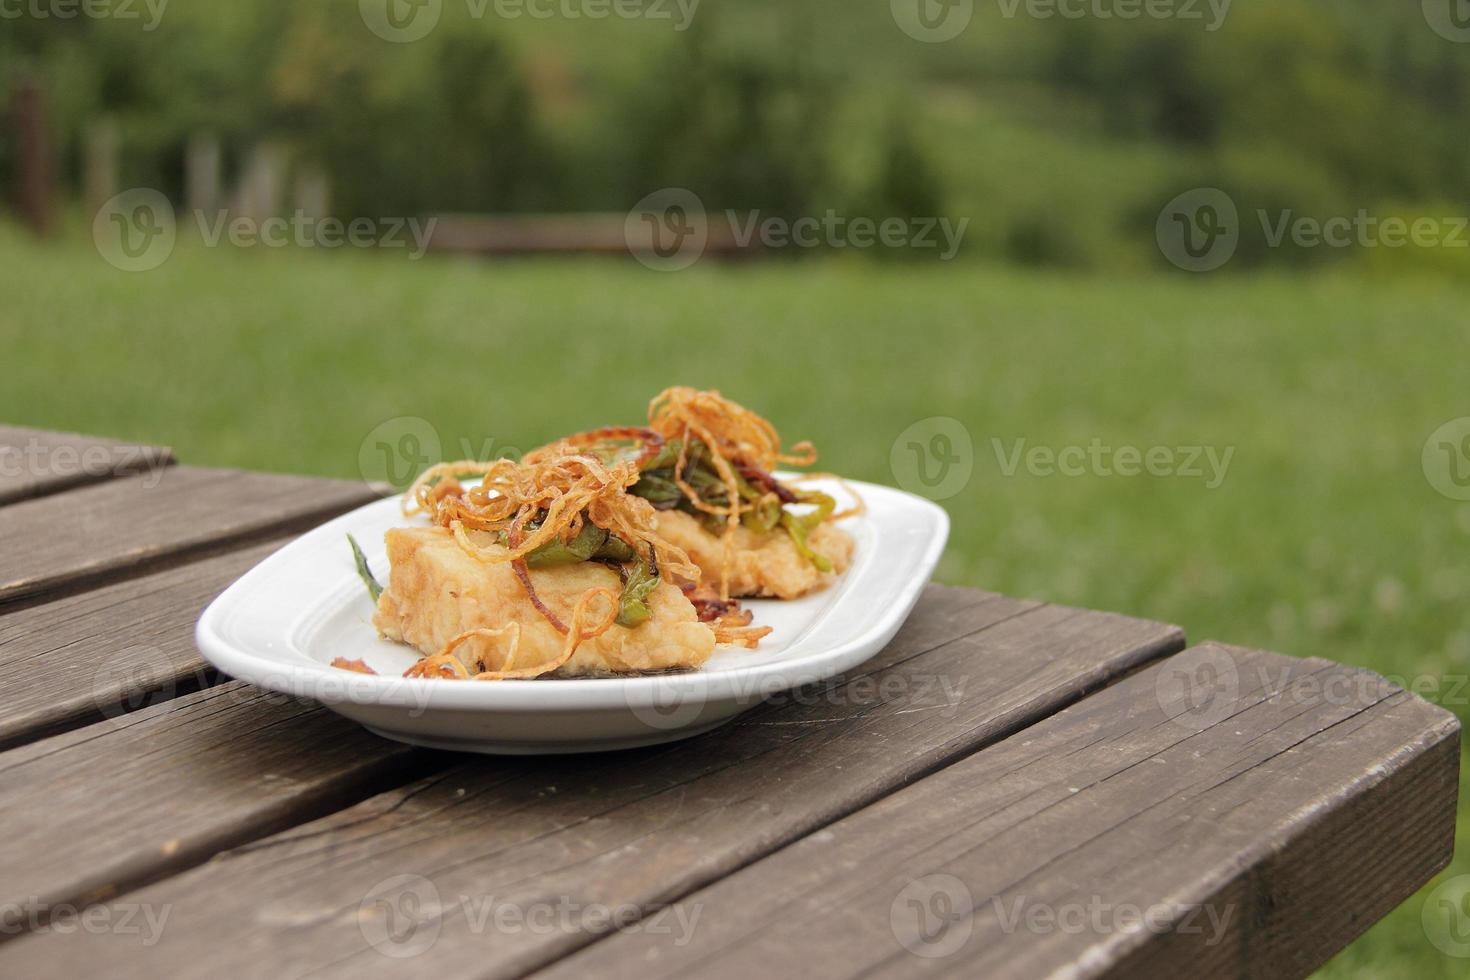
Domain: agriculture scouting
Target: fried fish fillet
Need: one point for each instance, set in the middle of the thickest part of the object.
(436, 592)
(762, 563)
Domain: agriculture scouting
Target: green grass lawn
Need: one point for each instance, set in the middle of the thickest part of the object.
(1323, 539)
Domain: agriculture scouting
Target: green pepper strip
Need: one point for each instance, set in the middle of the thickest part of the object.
(559, 552)
(767, 512)
(633, 608)
(801, 526)
(374, 589)
(658, 490)
(658, 487)
(592, 543)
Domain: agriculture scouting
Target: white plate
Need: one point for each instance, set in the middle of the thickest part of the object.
(281, 625)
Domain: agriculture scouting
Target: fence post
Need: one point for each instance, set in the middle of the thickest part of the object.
(35, 166)
(202, 173)
(99, 179)
(312, 192)
(259, 194)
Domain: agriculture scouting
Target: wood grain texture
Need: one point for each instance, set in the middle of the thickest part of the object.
(35, 462)
(105, 652)
(1260, 811)
(571, 836)
(125, 527)
(104, 808)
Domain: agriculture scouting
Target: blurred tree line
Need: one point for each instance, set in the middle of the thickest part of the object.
(1059, 138)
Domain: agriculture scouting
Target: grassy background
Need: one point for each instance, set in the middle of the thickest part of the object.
(1325, 538)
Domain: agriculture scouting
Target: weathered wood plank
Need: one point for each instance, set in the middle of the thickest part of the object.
(127, 526)
(102, 653)
(34, 462)
(145, 804)
(1229, 813)
(100, 809)
(590, 833)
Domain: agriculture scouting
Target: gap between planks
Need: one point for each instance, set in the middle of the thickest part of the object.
(83, 539)
(37, 463)
(99, 654)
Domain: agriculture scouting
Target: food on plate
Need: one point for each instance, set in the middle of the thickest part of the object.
(483, 622)
(547, 567)
(356, 666)
(706, 464)
(749, 562)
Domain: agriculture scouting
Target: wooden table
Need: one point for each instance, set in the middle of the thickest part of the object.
(1011, 789)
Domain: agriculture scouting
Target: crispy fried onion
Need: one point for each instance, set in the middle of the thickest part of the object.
(604, 443)
(450, 665)
(563, 491)
(730, 623)
(358, 666)
(732, 431)
(736, 437)
(741, 445)
(440, 667)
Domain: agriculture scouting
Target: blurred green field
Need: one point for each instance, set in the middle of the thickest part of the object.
(1324, 538)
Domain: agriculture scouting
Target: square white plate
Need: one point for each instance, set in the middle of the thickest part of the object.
(280, 626)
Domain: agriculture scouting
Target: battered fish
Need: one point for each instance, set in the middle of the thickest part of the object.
(436, 592)
(762, 563)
